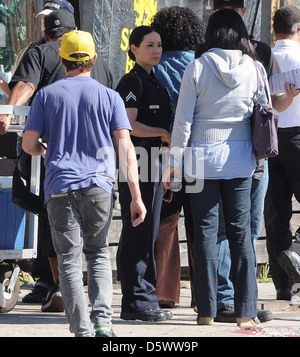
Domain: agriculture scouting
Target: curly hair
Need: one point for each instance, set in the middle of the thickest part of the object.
(179, 28)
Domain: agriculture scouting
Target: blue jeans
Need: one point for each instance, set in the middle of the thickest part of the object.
(79, 223)
(235, 195)
(258, 193)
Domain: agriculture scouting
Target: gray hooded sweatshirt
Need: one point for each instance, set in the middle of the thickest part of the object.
(216, 100)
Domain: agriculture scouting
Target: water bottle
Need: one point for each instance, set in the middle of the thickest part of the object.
(175, 184)
(164, 148)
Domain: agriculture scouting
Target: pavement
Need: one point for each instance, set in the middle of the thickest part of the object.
(27, 320)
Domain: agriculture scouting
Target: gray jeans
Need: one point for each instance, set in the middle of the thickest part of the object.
(80, 222)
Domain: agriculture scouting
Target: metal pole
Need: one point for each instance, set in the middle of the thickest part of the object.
(254, 19)
(265, 24)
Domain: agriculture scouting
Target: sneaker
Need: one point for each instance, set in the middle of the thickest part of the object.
(53, 301)
(36, 296)
(290, 263)
(104, 332)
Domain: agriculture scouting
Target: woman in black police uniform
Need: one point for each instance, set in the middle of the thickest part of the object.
(148, 108)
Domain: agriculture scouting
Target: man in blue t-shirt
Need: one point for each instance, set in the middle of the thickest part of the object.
(78, 117)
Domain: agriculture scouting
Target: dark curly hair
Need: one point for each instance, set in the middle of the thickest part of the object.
(179, 28)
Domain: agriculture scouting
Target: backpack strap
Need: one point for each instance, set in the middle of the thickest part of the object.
(132, 74)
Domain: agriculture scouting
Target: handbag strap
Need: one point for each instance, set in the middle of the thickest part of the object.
(260, 74)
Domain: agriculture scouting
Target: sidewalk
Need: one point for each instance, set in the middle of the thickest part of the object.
(27, 320)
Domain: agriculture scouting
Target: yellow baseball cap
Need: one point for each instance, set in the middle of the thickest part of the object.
(77, 42)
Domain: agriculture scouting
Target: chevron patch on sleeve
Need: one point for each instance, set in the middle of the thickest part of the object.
(130, 96)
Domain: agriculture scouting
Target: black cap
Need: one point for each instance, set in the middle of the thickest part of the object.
(59, 19)
(56, 5)
(221, 3)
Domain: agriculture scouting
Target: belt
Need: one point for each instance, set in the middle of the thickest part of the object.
(294, 129)
(60, 195)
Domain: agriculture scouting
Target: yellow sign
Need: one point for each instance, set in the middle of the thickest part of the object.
(145, 10)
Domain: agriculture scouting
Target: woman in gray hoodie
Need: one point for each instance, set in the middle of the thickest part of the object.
(212, 129)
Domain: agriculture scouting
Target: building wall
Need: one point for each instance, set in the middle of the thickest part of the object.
(111, 22)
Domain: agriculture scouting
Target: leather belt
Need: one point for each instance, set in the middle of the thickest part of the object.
(59, 195)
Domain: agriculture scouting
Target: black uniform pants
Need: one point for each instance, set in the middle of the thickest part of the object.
(135, 257)
(284, 181)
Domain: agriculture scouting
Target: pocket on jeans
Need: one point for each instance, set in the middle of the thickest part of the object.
(99, 209)
(60, 212)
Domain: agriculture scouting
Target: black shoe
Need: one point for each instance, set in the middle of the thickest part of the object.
(168, 304)
(167, 313)
(226, 314)
(53, 301)
(283, 294)
(36, 296)
(264, 315)
(290, 263)
(146, 315)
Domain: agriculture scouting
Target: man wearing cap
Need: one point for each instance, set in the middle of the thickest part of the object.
(49, 6)
(40, 268)
(44, 52)
(100, 71)
(53, 5)
(72, 112)
(39, 67)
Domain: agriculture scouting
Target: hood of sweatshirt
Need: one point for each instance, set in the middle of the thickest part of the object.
(230, 66)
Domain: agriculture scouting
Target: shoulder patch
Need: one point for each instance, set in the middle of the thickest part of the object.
(130, 96)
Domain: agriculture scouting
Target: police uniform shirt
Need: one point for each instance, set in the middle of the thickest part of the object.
(151, 99)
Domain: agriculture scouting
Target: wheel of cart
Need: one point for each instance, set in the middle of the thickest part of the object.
(15, 224)
(9, 286)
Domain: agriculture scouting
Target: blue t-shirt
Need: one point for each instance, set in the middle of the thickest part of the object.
(77, 115)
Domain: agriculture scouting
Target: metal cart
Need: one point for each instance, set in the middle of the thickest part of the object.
(9, 258)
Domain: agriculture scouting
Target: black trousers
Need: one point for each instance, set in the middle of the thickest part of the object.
(135, 257)
(284, 182)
